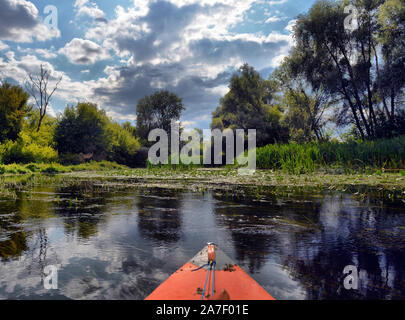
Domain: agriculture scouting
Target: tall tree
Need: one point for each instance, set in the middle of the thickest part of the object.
(391, 37)
(346, 62)
(305, 106)
(247, 106)
(38, 88)
(81, 129)
(13, 109)
(157, 111)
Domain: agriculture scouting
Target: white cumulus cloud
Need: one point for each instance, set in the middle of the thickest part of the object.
(20, 22)
(86, 52)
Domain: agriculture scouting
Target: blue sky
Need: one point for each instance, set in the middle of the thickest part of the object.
(115, 52)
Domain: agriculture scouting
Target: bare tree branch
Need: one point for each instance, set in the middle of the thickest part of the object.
(37, 87)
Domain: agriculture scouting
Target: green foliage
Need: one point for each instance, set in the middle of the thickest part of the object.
(81, 129)
(304, 105)
(56, 168)
(157, 111)
(246, 106)
(13, 109)
(391, 35)
(69, 159)
(130, 128)
(86, 129)
(31, 146)
(362, 68)
(124, 146)
(33, 167)
(98, 166)
(46, 135)
(24, 151)
(13, 169)
(295, 158)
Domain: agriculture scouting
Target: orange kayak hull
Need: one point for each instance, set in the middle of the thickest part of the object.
(186, 284)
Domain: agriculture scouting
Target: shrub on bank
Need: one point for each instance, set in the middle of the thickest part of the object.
(31, 146)
(21, 151)
(87, 130)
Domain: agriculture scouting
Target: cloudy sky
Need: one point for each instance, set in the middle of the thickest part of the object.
(115, 52)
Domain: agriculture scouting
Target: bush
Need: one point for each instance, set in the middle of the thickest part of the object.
(87, 129)
(22, 151)
(31, 146)
(69, 158)
(124, 146)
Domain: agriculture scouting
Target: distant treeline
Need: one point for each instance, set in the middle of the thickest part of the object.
(84, 133)
(81, 134)
(334, 77)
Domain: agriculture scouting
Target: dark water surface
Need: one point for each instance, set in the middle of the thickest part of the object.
(121, 244)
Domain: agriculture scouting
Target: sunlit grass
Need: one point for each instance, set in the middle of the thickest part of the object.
(56, 168)
(350, 156)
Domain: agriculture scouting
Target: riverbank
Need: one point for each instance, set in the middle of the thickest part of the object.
(225, 180)
(228, 180)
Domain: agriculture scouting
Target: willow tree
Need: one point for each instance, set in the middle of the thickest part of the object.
(353, 64)
(306, 108)
(391, 37)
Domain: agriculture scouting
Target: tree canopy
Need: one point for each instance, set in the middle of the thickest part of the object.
(157, 111)
(87, 129)
(304, 106)
(247, 106)
(81, 130)
(13, 110)
(363, 68)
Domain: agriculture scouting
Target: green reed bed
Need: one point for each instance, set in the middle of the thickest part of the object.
(354, 155)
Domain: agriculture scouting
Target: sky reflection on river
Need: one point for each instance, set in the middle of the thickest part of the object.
(118, 244)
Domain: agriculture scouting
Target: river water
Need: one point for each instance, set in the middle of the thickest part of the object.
(122, 243)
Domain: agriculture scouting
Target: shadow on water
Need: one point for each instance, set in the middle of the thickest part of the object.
(314, 240)
(112, 243)
(159, 215)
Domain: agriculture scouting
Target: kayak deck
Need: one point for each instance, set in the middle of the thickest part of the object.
(231, 282)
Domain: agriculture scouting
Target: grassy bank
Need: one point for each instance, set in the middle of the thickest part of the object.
(56, 168)
(355, 155)
(330, 165)
(333, 157)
